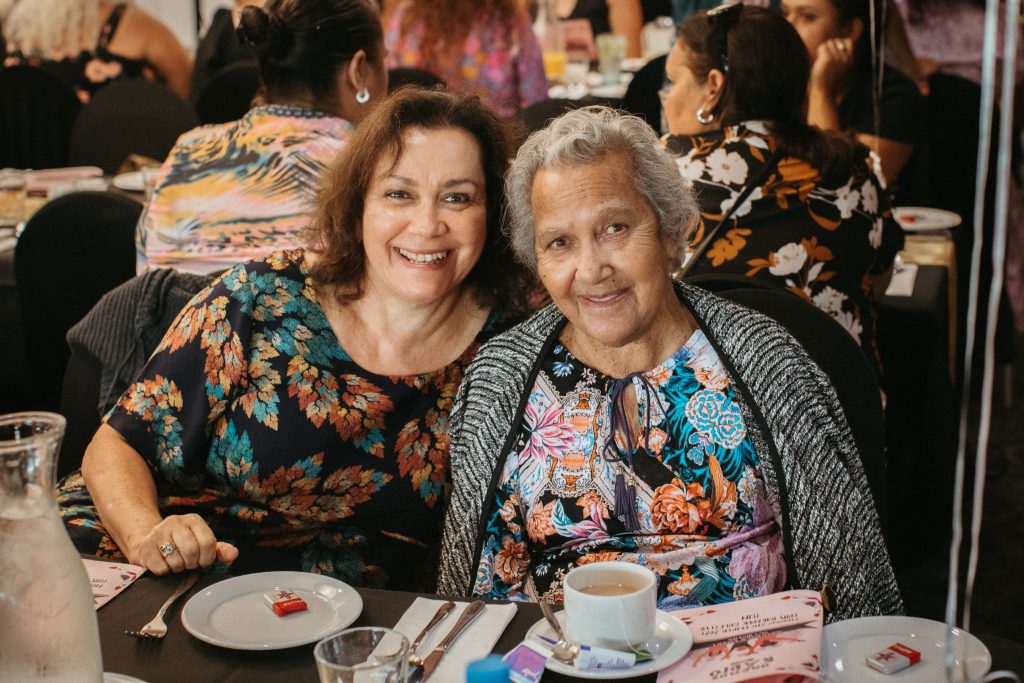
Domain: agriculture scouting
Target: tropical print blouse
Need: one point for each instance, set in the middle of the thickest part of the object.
(819, 237)
(500, 60)
(706, 526)
(237, 191)
(252, 415)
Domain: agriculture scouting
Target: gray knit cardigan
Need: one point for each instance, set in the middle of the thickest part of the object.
(811, 467)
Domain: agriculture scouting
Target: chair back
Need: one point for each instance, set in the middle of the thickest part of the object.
(228, 94)
(537, 115)
(642, 97)
(406, 75)
(839, 356)
(73, 250)
(38, 110)
(133, 116)
(724, 282)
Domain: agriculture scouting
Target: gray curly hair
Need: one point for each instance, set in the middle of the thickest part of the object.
(586, 136)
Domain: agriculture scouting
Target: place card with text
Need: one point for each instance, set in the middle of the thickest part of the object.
(109, 578)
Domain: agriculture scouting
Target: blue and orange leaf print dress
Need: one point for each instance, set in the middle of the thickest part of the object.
(706, 526)
(252, 415)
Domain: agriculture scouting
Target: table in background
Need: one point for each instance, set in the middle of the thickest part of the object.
(181, 657)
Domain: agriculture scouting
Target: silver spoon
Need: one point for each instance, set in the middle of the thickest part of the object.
(564, 650)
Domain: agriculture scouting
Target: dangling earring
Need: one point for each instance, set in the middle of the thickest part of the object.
(363, 96)
(704, 119)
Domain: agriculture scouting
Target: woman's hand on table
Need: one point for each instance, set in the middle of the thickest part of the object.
(194, 546)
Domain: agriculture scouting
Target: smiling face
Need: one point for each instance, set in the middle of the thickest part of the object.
(599, 252)
(816, 21)
(425, 219)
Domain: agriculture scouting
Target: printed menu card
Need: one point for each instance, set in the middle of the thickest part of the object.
(771, 639)
(109, 578)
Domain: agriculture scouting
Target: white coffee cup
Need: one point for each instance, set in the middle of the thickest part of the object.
(611, 604)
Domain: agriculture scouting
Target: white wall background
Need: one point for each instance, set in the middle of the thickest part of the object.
(180, 15)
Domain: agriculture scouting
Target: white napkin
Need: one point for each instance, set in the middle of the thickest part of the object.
(902, 282)
(476, 641)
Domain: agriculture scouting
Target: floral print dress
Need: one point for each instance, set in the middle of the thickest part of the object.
(500, 60)
(252, 415)
(819, 237)
(706, 526)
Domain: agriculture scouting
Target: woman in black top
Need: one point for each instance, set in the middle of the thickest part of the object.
(89, 43)
(838, 37)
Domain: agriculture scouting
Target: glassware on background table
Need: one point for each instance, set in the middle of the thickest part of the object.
(658, 36)
(47, 618)
(363, 655)
(611, 50)
(549, 34)
(12, 197)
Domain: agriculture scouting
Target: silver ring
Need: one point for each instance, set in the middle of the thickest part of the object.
(167, 549)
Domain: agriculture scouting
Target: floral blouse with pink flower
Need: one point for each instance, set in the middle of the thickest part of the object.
(706, 526)
(501, 60)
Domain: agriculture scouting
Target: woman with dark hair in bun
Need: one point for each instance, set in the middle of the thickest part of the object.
(296, 414)
(236, 191)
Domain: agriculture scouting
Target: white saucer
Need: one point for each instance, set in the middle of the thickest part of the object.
(234, 614)
(924, 219)
(120, 678)
(130, 182)
(668, 627)
(846, 644)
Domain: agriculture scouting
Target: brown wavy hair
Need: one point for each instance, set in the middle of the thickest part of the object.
(442, 36)
(497, 279)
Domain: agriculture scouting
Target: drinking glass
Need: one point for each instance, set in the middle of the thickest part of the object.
(611, 50)
(363, 655)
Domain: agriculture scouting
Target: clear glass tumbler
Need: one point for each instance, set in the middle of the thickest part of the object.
(363, 655)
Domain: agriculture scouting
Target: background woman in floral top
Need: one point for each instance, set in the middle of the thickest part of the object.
(481, 47)
(819, 224)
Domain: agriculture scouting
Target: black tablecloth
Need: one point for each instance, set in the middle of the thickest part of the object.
(180, 657)
(921, 415)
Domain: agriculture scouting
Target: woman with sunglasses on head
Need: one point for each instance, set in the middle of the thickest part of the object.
(844, 46)
(793, 205)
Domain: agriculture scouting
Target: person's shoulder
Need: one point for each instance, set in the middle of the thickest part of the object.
(517, 344)
(897, 83)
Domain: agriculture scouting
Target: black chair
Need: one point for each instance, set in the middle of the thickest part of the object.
(38, 110)
(642, 97)
(228, 94)
(73, 250)
(536, 116)
(832, 348)
(127, 117)
(404, 75)
(724, 282)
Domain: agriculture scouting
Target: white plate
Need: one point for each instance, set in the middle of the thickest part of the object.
(924, 219)
(846, 644)
(612, 91)
(668, 627)
(120, 678)
(234, 614)
(131, 182)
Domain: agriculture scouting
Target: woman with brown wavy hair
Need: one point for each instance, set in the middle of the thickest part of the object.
(481, 47)
(295, 415)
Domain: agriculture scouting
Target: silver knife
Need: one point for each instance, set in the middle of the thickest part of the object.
(468, 615)
(439, 616)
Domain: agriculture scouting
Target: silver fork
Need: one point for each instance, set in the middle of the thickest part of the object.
(157, 628)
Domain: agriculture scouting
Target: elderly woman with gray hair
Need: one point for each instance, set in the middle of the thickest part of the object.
(644, 420)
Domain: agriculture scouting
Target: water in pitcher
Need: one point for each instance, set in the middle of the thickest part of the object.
(48, 626)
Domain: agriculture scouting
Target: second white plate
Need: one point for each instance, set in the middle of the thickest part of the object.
(234, 614)
(846, 644)
(667, 627)
(924, 219)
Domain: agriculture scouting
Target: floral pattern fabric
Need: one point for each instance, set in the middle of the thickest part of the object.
(819, 237)
(706, 526)
(500, 60)
(252, 415)
(238, 191)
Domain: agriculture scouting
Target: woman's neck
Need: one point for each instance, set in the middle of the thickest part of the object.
(389, 336)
